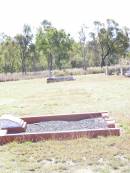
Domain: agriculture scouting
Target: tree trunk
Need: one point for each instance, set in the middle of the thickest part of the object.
(23, 68)
(84, 57)
(106, 70)
(85, 64)
(23, 62)
(24, 71)
(121, 71)
(34, 63)
(121, 68)
(50, 65)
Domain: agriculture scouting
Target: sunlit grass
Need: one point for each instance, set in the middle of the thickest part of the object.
(88, 93)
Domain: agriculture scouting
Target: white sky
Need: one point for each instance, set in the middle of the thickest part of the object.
(63, 14)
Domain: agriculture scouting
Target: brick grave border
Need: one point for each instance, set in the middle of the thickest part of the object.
(111, 130)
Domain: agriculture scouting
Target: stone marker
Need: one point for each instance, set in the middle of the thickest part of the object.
(12, 123)
(60, 79)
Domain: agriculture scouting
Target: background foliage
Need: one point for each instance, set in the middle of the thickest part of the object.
(51, 48)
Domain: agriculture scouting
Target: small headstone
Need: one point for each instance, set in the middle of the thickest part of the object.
(60, 79)
(12, 123)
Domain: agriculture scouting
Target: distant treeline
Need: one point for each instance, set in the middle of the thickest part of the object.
(50, 48)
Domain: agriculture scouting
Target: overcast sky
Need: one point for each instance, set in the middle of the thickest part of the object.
(63, 14)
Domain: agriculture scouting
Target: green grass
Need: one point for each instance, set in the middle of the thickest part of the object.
(88, 93)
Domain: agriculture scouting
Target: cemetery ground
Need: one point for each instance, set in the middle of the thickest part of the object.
(88, 93)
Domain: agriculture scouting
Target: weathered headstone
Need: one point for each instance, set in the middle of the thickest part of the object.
(12, 123)
(60, 79)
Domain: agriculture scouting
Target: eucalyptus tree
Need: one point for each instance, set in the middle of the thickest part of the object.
(104, 41)
(75, 55)
(33, 57)
(83, 42)
(55, 45)
(112, 41)
(94, 50)
(44, 43)
(122, 45)
(24, 41)
(9, 55)
(62, 47)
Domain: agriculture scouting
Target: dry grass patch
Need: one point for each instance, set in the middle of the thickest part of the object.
(88, 93)
(62, 156)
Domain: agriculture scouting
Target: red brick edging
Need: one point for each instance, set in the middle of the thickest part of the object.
(59, 135)
(62, 135)
(64, 117)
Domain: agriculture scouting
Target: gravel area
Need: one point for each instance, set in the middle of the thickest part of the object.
(48, 126)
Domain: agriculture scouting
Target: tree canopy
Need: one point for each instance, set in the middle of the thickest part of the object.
(52, 48)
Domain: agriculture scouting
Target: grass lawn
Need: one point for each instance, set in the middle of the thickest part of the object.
(88, 93)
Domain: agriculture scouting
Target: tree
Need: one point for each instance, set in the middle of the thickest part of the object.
(121, 48)
(55, 45)
(46, 24)
(44, 44)
(62, 45)
(94, 50)
(83, 43)
(111, 40)
(75, 55)
(33, 57)
(24, 41)
(9, 55)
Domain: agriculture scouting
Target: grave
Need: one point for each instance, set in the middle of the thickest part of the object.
(59, 127)
(60, 79)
